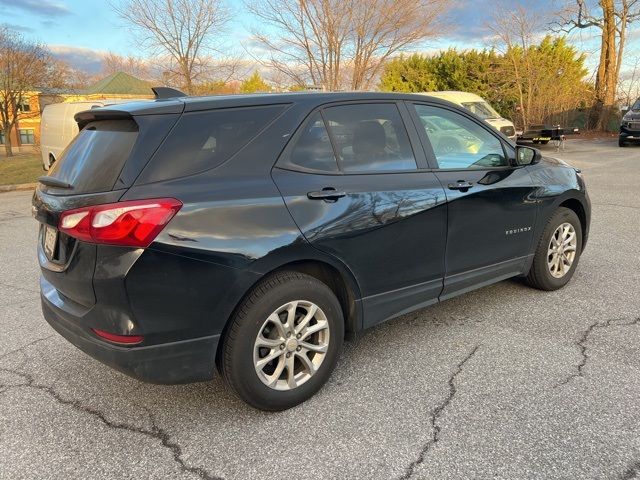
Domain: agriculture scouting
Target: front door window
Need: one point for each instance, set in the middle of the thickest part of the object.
(458, 142)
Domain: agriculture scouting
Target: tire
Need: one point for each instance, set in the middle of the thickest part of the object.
(241, 353)
(535, 142)
(621, 143)
(540, 275)
(544, 142)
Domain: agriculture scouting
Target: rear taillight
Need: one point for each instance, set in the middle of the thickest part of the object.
(131, 224)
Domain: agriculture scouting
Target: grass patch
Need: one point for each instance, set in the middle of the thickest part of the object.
(21, 168)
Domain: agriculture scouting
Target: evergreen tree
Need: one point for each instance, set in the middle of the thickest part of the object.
(254, 83)
(550, 80)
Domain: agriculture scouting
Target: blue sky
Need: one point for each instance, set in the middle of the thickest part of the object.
(78, 30)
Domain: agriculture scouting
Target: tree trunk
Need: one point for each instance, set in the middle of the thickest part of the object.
(608, 90)
(7, 142)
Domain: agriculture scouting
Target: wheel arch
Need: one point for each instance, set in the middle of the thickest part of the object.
(578, 208)
(337, 277)
(341, 284)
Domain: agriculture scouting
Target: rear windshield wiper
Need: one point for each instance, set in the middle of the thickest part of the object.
(54, 182)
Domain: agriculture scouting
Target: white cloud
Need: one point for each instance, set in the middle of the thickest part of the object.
(80, 58)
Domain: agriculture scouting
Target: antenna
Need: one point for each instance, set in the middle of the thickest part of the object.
(166, 92)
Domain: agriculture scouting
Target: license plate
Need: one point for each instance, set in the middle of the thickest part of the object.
(50, 239)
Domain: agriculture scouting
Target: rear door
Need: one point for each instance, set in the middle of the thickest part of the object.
(491, 206)
(353, 178)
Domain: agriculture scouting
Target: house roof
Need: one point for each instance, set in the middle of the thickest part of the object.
(56, 91)
(120, 83)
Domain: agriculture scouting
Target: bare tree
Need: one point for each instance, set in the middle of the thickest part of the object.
(612, 18)
(114, 63)
(515, 29)
(341, 43)
(629, 83)
(546, 76)
(182, 31)
(24, 66)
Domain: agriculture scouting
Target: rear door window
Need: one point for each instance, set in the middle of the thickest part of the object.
(370, 138)
(204, 140)
(312, 149)
(93, 160)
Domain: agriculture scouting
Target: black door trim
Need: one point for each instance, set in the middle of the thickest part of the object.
(385, 306)
(460, 283)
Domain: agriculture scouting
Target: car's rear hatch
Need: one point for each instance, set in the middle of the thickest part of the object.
(96, 168)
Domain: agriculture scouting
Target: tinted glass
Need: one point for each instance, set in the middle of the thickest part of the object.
(312, 149)
(204, 140)
(370, 137)
(459, 142)
(94, 159)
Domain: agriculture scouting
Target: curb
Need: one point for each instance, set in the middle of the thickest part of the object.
(18, 187)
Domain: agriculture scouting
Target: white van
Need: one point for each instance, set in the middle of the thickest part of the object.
(479, 106)
(58, 126)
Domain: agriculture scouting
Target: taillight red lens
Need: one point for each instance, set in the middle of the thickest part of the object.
(112, 337)
(132, 224)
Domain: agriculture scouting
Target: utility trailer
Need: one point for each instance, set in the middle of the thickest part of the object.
(543, 134)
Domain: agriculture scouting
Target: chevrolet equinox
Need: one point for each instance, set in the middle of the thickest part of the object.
(252, 234)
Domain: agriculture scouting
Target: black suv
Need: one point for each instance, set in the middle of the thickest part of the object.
(253, 233)
(630, 126)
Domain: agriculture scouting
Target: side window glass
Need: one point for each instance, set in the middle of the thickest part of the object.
(370, 138)
(459, 142)
(312, 149)
(206, 139)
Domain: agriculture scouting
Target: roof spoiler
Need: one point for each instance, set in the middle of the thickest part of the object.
(88, 116)
(166, 92)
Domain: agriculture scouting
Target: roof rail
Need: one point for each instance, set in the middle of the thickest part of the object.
(166, 92)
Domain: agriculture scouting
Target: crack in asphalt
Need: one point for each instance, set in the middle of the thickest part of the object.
(582, 345)
(615, 205)
(17, 350)
(17, 287)
(156, 432)
(632, 472)
(12, 215)
(436, 413)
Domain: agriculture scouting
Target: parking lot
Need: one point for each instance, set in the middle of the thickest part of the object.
(504, 382)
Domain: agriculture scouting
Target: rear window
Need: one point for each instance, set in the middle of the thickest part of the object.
(204, 140)
(93, 160)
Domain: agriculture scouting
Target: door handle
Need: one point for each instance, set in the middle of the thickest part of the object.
(328, 193)
(461, 185)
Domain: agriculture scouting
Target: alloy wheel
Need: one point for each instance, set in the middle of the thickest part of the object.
(291, 345)
(562, 250)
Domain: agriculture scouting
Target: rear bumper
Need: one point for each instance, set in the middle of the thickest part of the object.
(168, 363)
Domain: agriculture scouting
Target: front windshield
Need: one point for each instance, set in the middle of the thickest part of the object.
(636, 106)
(482, 109)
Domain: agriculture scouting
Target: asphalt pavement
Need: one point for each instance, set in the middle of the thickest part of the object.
(504, 382)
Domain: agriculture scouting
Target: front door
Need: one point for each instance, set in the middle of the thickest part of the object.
(491, 211)
(351, 181)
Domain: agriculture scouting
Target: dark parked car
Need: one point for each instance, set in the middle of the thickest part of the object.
(253, 233)
(630, 126)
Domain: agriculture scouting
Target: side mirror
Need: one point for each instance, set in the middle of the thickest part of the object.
(527, 155)
(624, 109)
